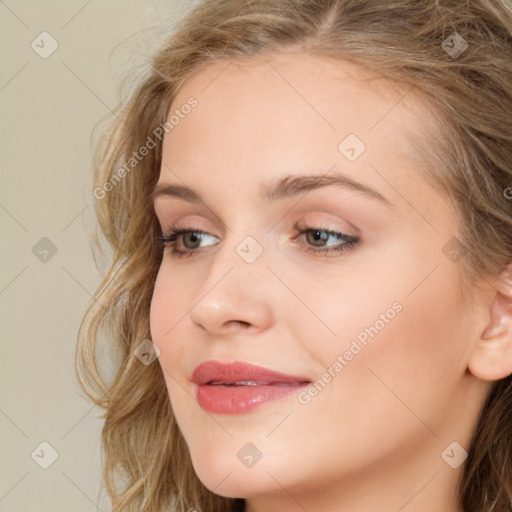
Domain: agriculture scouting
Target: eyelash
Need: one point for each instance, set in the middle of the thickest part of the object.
(349, 242)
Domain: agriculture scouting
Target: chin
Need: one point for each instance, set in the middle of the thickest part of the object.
(241, 482)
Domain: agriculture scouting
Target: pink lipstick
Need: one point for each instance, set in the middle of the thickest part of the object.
(235, 388)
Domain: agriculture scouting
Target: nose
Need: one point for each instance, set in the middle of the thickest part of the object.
(236, 295)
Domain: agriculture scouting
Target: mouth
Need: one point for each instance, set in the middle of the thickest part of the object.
(217, 373)
(255, 383)
(234, 388)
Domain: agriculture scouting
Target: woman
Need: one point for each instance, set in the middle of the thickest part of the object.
(311, 288)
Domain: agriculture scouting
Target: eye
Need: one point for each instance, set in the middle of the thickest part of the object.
(316, 237)
(316, 240)
(176, 233)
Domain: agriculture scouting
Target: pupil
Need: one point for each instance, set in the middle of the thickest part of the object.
(319, 236)
(193, 236)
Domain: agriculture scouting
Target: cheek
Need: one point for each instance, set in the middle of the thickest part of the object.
(167, 317)
(382, 339)
(400, 373)
(401, 308)
(168, 311)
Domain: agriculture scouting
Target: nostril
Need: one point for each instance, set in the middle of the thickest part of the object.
(243, 323)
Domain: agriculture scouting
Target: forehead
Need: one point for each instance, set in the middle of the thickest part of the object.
(274, 112)
(312, 85)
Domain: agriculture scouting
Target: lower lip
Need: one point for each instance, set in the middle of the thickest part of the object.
(240, 399)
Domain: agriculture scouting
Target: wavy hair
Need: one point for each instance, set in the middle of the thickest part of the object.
(146, 466)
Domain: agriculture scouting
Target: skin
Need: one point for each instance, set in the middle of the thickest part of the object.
(373, 437)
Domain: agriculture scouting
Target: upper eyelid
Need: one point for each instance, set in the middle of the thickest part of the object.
(160, 219)
(314, 224)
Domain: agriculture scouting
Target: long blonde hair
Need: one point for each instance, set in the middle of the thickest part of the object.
(147, 467)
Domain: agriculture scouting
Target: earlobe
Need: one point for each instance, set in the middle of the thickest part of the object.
(491, 357)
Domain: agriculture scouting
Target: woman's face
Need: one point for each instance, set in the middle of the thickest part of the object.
(372, 334)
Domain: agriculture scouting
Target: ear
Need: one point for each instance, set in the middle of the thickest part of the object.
(491, 357)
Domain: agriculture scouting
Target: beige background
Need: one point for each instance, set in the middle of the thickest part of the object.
(48, 108)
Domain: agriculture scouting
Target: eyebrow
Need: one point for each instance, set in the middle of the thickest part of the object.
(288, 186)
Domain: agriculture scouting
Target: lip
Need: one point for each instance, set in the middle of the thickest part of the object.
(217, 389)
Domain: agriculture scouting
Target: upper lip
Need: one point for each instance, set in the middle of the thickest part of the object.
(216, 371)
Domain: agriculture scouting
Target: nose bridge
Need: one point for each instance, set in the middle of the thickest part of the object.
(234, 287)
(241, 257)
